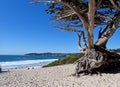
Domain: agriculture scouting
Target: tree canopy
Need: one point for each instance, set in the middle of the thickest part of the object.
(80, 15)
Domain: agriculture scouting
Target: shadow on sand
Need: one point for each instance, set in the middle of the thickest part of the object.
(111, 71)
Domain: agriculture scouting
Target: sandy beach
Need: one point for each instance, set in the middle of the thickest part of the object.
(58, 76)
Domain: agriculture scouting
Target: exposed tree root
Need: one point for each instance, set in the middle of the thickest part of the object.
(97, 59)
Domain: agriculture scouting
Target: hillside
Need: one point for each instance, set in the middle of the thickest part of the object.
(50, 54)
(67, 60)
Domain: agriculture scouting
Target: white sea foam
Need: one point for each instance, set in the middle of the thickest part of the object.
(22, 63)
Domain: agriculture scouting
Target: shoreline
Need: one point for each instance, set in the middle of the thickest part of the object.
(24, 64)
(8, 62)
(57, 76)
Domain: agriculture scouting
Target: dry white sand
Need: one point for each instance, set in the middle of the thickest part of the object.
(59, 76)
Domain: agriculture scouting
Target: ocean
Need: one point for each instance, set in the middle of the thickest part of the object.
(8, 62)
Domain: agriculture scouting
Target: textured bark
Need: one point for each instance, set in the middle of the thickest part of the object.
(96, 60)
(108, 32)
(106, 36)
(91, 15)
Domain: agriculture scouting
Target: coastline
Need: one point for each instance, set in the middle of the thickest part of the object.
(58, 76)
(24, 64)
(8, 62)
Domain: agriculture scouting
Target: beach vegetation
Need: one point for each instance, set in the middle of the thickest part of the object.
(67, 60)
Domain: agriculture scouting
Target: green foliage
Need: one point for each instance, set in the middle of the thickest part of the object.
(59, 11)
(67, 60)
(115, 50)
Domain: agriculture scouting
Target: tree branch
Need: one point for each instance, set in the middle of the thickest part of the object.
(73, 8)
(113, 3)
(44, 1)
(80, 35)
(98, 4)
(101, 32)
(102, 16)
(78, 13)
(65, 15)
(79, 40)
(108, 31)
(106, 36)
(71, 30)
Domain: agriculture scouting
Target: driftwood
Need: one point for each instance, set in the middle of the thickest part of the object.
(96, 60)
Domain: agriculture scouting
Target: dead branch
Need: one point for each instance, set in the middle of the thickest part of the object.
(80, 35)
(79, 40)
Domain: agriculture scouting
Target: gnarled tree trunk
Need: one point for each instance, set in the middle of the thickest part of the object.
(97, 59)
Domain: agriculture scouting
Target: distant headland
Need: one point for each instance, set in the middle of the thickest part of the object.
(49, 54)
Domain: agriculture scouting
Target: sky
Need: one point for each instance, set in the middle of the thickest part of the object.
(26, 28)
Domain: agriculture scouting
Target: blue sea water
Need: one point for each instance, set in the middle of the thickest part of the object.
(8, 62)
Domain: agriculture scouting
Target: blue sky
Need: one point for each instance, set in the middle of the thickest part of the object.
(26, 28)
